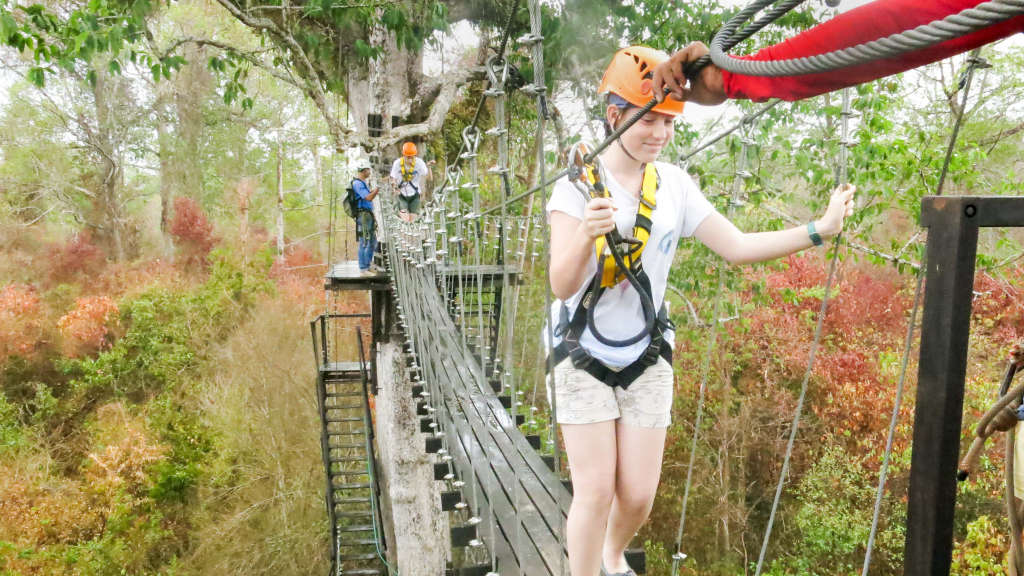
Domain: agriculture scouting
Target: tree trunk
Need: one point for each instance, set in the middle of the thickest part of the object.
(192, 85)
(280, 203)
(107, 210)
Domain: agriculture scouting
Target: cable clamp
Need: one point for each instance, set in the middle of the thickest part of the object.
(530, 39)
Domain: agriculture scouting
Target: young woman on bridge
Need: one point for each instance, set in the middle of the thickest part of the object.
(613, 374)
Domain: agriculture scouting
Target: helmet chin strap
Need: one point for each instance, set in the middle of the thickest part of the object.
(626, 150)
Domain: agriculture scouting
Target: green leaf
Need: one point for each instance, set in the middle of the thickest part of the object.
(114, 67)
(37, 76)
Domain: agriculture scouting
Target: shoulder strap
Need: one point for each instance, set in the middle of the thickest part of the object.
(610, 274)
(408, 174)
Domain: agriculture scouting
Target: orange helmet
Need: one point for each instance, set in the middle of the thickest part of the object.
(629, 76)
(409, 149)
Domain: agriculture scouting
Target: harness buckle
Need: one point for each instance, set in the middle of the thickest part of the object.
(646, 203)
(580, 358)
(653, 351)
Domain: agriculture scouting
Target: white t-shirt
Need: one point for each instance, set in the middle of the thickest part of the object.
(680, 208)
(419, 171)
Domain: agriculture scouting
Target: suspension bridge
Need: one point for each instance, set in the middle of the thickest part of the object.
(446, 364)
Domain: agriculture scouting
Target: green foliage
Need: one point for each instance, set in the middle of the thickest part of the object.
(190, 442)
(11, 433)
(982, 550)
(165, 329)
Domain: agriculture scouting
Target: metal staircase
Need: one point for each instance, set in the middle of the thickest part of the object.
(352, 491)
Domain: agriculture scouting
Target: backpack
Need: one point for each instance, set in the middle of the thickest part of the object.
(350, 201)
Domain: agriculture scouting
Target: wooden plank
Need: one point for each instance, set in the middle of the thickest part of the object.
(495, 410)
(539, 513)
(536, 533)
(347, 276)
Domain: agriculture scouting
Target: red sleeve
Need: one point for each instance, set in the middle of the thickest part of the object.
(869, 22)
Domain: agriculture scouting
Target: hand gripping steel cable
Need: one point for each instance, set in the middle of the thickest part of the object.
(588, 177)
(952, 26)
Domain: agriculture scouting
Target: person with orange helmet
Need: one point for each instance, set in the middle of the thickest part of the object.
(407, 174)
(612, 343)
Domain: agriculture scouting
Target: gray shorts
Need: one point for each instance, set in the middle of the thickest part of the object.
(583, 399)
(410, 204)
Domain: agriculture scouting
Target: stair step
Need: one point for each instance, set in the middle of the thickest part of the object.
(356, 528)
(351, 500)
(364, 556)
(343, 394)
(357, 485)
(349, 473)
(352, 459)
(354, 513)
(357, 542)
(346, 407)
(357, 431)
(348, 419)
(343, 446)
(360, 572)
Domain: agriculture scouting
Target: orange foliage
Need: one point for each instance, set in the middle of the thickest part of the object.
(1002, 303)
(298, 278)
(74, 511)
(122, 463)
(867, 315)
(86, 328)
(20, 323)
(33, 515)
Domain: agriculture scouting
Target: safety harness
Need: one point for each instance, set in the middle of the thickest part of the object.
(408, 173)
(617, 259)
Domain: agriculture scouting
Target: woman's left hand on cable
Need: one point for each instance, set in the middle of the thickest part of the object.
(840, 206)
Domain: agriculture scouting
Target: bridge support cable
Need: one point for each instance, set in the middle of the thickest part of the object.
(740, 176)
(841, 181)
(503, 366)
(973, 62)
(953, 26)
(535, 40)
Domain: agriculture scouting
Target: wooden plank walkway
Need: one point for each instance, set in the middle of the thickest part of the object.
(347, 276)
(517, 491)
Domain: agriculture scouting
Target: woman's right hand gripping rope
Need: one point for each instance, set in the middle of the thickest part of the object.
(599, 217)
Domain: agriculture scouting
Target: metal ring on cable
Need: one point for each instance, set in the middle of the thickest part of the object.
(497, 79)
(471, 140)
(921, 37)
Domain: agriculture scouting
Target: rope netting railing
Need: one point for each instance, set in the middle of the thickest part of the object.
(472, 286)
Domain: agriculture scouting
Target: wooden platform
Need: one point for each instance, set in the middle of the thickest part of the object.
(347, 276)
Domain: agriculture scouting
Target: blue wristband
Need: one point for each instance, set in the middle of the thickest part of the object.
(815, 237)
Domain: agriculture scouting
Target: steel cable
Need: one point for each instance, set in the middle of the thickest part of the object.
(919, 38)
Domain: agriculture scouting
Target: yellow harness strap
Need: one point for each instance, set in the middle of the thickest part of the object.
(407, 175)
(610, 273)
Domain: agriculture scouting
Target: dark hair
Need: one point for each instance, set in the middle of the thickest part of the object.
(619, 103)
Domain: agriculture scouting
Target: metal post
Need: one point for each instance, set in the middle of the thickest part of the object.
(952, 246)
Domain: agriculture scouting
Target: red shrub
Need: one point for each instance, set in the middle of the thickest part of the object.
(1000, 305)
(20, 321)
(79, 254)
(192, 231)
(86, 328)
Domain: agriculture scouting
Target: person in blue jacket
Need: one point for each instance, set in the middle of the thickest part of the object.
(366, 226)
